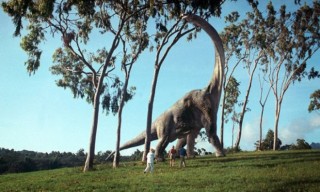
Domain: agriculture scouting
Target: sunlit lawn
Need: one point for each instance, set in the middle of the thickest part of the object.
(246, 171)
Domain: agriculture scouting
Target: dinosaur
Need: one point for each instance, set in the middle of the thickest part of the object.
(195, 110)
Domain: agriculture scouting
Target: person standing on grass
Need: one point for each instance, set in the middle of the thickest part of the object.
(172, 156)
(150, 161)
(182, 153)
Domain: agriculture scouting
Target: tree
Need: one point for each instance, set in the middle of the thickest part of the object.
(262, 101)
(140, 41)
(267, 143)
(83, 72)
(301, 144)
(137, 155)
(235, 120)
(243, 40)
(168, 35)
(232, 48)
(230, 99)
(295, 39)
(281, 43)
(162, 39)
(80, 153)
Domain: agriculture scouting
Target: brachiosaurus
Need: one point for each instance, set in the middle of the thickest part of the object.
(196, 110)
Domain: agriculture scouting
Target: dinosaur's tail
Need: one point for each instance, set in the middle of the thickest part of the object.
(137, 141)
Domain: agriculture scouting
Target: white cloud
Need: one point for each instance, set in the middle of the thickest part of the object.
(250, 134)
(299, 129)
(315, 122)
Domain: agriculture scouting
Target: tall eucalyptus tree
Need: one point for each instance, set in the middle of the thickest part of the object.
(281, 43)
(82, 70)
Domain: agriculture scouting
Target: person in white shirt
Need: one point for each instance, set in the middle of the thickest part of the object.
(150, 161)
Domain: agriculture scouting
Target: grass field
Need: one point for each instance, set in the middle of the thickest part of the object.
(246, 171)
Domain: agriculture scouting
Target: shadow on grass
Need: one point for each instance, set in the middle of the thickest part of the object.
(277, 159)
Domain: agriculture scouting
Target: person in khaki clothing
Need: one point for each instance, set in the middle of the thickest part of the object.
(172, 156)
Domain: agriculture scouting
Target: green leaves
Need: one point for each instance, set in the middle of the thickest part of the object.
(17, 9)
(80, 69)
(73, 77)
(231, 96)
(286, 39)
(33, 10)
(314, 101)
(111, 98)
(30, 43)
(44, 8)
(267, 143)
(85, 8)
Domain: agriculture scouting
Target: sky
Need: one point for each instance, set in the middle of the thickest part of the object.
(37, 115)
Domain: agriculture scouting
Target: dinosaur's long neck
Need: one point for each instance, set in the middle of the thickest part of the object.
(215, 86)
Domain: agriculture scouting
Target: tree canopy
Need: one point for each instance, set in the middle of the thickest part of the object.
(127, 28)
(122, 25)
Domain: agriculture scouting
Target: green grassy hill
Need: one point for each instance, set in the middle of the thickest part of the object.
(246, 171)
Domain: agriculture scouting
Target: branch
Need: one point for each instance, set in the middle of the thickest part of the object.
(114, 45)
(166, 39)
(75, 71)
(290, 79)
(232, 71)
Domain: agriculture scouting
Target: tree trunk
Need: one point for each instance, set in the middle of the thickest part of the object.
(117, 152)
(260, 131)
(222, 120)
(149, 115)
(262, 104)
(261, 116)
(92, 143)
(116, 159)
(245, 106)
(232, 135)
(225, 83)
(237, 143)
(276, 124)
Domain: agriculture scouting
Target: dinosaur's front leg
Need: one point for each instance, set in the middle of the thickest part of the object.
(163, 143)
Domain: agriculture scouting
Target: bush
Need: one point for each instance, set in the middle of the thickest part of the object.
(301, 144)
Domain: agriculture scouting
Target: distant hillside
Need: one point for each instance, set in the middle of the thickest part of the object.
(25, 161)
(12, 161)
(315, 145)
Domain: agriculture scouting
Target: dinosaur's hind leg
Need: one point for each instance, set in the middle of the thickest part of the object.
(191, 137)
(214, 140)
(188, 140)
(181, 142)
(211, 130)
(216, 143)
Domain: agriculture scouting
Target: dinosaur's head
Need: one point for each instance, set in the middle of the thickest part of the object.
(191, 18)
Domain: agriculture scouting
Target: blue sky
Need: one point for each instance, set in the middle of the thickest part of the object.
(37, 115)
